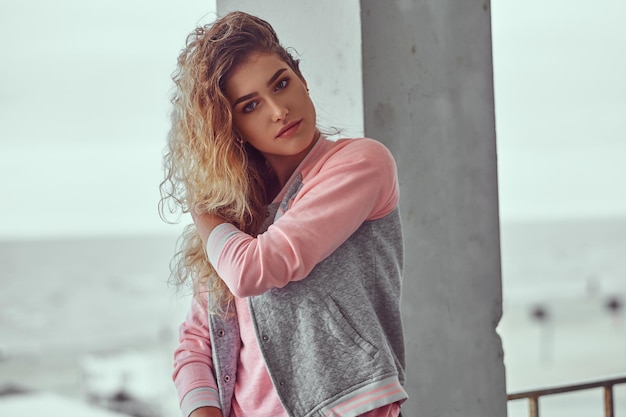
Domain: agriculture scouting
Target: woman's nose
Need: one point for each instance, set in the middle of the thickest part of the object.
(279, 110)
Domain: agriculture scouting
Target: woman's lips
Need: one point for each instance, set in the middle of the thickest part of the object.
(289, 130)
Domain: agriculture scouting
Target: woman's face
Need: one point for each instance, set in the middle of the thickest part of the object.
(272, 109)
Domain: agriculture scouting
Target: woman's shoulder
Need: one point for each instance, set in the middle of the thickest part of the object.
(367, 148)
(350, 155)
(364, 165)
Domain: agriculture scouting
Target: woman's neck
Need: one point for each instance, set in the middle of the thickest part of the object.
(284, 167)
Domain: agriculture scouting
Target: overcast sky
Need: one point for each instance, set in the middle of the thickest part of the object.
(84, 88)
(84, 104)
(560, 107)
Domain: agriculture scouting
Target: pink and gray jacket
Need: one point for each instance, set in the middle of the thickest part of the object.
(322, 285)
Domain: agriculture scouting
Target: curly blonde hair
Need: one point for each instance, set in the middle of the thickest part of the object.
(208, 167)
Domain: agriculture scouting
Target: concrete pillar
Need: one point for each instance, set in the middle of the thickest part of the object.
(417, 76)
(428, 95)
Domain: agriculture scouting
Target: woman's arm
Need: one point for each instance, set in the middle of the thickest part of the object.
(205, 223)
(193, 362)
(357, 182)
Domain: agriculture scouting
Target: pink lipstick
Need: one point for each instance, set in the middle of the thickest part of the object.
(289, 130)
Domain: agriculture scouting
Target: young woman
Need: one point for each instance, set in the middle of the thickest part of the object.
(296, 249)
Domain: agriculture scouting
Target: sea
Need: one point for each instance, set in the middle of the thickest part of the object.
(94, 320)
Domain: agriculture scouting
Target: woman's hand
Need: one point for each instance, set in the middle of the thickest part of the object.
(206, 412)
(205, 223)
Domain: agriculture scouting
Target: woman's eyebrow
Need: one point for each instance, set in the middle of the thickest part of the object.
(271, 80)
(276, 75)
(244, 98)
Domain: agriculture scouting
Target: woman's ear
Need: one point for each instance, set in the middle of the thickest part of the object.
(238, 137)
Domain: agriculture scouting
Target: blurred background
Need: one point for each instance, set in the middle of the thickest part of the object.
(86, 313)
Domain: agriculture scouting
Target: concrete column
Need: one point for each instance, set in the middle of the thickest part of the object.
(425, 90)
(428, 95)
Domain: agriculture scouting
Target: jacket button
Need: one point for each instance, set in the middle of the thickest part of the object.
(226, 378)
(221, 332)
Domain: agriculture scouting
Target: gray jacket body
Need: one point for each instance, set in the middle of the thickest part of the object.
(332, 342)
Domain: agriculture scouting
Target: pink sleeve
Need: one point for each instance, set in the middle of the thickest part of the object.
(193, 363)
(357, 182)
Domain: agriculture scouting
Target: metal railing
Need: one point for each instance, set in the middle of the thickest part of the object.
(533, 396)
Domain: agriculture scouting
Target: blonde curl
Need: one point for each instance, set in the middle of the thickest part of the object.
(207, 166)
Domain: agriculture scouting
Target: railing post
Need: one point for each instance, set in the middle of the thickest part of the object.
(608, 400)
(533, 402)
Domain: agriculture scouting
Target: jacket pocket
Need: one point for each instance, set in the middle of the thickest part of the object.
(347, 327)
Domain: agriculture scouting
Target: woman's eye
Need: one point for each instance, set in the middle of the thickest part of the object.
(281, 84)
(249, 107)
